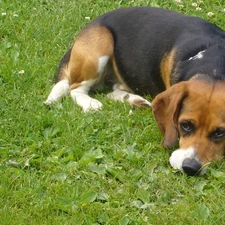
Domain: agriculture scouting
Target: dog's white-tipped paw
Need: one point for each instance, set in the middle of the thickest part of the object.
(59, 90)
(137, 101)
(133, 99)
(47, 102)
(51, 101)
(141, 103)
(94, 105)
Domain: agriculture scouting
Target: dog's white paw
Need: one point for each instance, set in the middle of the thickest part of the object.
(92, 105)
(120, 94)
(85, 101)
(137, 101)
(49, 102)
(59, 90)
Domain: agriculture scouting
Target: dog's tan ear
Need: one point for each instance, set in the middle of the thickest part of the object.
(166, 107)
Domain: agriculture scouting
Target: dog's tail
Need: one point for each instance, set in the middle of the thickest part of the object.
(61, 87)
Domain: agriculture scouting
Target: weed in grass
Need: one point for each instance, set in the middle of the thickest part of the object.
(61, 166)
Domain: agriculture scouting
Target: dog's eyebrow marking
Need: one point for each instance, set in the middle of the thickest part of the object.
(198, 56)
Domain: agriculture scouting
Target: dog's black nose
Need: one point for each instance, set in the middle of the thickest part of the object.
(191, 166)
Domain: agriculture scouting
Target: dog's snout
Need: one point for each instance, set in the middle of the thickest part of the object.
(191, 166)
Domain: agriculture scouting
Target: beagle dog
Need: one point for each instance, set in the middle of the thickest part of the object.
(178, 59)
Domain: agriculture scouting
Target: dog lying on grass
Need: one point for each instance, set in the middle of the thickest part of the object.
(178, 59)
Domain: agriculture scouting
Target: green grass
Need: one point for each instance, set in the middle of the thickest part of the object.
(61, 166)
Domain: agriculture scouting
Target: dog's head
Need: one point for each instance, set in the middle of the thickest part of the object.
(194, 112)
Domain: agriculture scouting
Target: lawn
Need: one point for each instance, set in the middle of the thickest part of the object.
(63, 166)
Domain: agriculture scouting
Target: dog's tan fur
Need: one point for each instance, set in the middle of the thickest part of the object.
(166, 67)
(87, 49)
(201, 102)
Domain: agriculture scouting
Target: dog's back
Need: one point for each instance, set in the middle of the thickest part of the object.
(148, 50)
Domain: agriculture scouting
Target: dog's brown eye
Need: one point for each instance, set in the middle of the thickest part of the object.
(219, 133)
(187, 127)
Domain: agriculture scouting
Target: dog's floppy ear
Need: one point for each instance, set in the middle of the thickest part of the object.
(166, 107)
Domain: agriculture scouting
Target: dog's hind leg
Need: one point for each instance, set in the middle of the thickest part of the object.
(83, 66)
(89, 57)
(61, 88)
